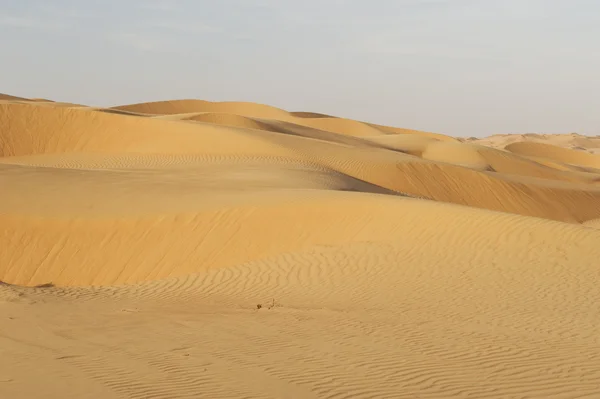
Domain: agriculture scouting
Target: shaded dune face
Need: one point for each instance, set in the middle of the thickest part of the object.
(96, 186)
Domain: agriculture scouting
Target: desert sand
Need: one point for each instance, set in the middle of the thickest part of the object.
(196, 249)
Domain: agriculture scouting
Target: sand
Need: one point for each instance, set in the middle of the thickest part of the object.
(190, 249)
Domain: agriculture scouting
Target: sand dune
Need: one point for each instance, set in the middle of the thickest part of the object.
(123, 137)
(191, 106)
(456, 153)
(229, 250)
(407, 143)
(8, 97)
(555, 153)
(309, 119)
(572, 140)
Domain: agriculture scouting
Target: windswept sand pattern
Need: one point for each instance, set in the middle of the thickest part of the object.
(192, 249)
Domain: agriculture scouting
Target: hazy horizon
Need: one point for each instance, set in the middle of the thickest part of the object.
(458, 67)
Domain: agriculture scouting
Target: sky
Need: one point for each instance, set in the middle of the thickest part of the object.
(459, 67)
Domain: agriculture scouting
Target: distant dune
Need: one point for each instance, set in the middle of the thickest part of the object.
(572, 140)
(12, 98)
(223, 249)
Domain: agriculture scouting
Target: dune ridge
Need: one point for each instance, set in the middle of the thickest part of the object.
(193, 249)
(309, 119)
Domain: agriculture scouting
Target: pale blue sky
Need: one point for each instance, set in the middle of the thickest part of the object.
(460, 67)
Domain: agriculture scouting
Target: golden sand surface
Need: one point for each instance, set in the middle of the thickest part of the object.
(196, 249)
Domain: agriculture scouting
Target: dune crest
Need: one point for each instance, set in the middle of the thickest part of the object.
(225, 249)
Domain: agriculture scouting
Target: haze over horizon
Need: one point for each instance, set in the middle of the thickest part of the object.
(458, 67)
